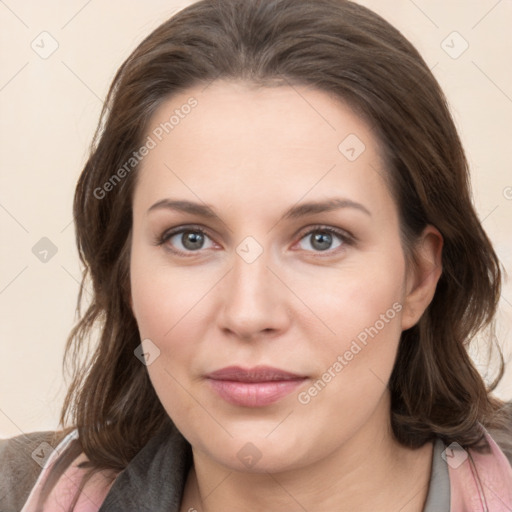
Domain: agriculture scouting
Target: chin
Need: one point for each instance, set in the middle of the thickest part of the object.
(257, 454)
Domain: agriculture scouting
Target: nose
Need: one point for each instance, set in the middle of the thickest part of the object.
(254, 300)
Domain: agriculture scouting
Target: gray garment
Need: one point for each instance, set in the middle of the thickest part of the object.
(155, 479)
(438, 498)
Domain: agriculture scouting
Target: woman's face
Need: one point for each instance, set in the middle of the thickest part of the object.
(264, 235)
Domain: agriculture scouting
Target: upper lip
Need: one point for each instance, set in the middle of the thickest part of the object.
(256, 374)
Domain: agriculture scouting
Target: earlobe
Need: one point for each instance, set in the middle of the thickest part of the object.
(423, 278)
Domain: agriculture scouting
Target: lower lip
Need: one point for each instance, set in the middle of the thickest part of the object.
(254, 394)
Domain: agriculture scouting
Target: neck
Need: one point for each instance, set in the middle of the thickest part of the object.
(370, 471)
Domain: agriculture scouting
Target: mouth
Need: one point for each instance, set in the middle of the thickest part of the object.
(253, 387)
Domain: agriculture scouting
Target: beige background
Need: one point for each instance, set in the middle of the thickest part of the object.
(49, 109)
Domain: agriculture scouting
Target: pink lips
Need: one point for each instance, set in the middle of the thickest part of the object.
(256, 387)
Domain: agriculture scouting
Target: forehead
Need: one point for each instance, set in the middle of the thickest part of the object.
(237, 139)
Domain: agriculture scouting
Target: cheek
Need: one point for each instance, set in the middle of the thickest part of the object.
(164, 297)
(167, 307)
(362, 307)
(360, 301)
(170, 307)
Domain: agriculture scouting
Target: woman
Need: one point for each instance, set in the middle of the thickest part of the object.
(287, 270)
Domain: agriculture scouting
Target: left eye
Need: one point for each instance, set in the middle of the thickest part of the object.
(322, 240)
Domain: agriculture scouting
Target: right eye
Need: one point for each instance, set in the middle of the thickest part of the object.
(185, 240)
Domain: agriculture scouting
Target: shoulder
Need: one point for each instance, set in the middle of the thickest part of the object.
(480, 479)
(29, 462)
(22, 459)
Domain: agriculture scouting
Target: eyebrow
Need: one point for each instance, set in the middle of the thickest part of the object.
(294, 212)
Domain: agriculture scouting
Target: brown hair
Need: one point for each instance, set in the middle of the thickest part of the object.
(352, 53)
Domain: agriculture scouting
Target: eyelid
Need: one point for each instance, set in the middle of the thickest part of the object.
(346, 237)
(342, 233)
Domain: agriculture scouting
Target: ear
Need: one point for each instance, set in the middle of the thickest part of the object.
(422, 278)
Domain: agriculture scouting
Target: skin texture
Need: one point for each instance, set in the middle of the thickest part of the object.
(251, 154)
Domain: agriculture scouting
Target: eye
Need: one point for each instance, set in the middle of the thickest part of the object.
(322, 239)
(192, 239)
(186, 240)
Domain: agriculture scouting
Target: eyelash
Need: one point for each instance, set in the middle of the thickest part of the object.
(346, 238)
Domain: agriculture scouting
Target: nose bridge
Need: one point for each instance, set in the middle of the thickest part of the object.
(249, 281)
(253, 300)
